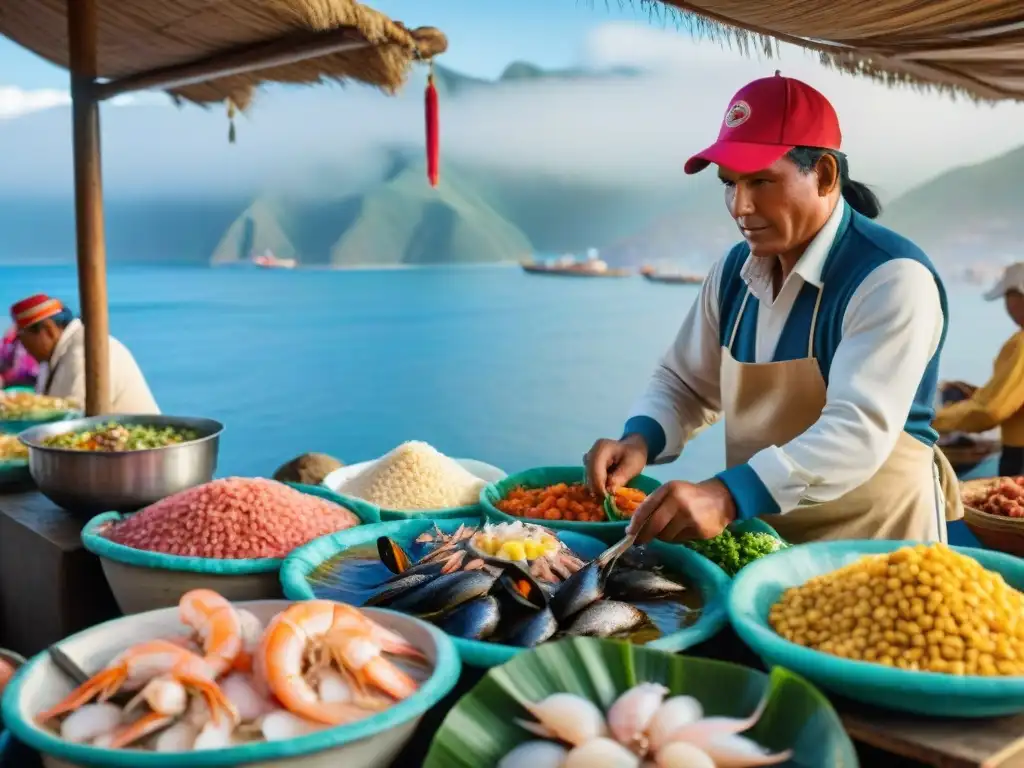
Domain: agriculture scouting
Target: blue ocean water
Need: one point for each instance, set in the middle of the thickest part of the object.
(487, 363)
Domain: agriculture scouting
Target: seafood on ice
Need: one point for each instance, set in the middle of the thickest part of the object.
(643, 727)
(517, 584)
(315, 665)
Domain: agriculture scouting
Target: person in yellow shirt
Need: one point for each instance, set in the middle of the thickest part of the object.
(1000, 402)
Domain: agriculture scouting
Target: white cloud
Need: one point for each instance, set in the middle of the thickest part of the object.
(17, 102)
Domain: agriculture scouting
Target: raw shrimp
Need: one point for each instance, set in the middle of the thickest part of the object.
(341, 633)
(135, 667)
(216, 623)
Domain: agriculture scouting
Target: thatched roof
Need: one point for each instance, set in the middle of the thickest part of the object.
(142, 35)
(968, 46)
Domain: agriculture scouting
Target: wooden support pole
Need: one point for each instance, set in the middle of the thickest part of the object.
(294, 48)
(92, 252)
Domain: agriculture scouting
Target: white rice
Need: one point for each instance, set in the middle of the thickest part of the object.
(415, 477)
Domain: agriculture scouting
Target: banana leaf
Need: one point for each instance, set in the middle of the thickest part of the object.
(481, 728)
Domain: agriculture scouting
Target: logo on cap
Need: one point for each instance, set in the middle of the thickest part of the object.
(738, 114)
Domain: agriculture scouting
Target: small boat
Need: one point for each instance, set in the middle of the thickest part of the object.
(269, 261)
(569, 266)
(668, 277)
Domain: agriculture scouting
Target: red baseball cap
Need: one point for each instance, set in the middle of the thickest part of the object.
(765, 120)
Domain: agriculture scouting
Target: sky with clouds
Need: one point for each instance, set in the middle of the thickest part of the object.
(641, 127)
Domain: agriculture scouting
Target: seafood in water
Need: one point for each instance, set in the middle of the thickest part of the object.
(444, 593)
(605, 618)
(583, 587)
(633, 584)
(317, 664)
(642, 728)
(338, 633)
(536, 549)
(531, 630)
(474, 620)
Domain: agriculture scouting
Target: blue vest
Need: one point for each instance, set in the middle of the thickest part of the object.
(860, 246)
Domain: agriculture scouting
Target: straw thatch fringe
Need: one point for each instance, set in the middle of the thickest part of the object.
(142, 35)
(893, 64)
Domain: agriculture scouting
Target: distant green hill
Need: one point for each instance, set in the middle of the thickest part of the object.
(972, 212)
(400, 220)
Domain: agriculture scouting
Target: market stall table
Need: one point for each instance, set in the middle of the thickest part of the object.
(50, 586)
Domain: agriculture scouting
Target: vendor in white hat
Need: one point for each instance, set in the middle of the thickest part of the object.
(1000, 403)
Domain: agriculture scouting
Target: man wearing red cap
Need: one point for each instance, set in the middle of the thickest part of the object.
(817, 338)
(53, 336)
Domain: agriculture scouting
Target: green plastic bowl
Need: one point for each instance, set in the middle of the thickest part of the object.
(707, 577)
(14, 471)
(609, 532)
(17, 426)
(373, 741)
(482, 727)
(144, 581)
(759, 586)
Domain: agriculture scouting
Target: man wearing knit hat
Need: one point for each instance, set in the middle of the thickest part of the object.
(53, 336)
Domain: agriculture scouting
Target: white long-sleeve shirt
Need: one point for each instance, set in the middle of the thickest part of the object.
(891, 329)
(64, 374)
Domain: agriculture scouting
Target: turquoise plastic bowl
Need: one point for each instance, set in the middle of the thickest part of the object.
(18, 702)
(17, 426)
(541, 477)
(101, 546)
(709, 578)
(14, 471)
(758, 586)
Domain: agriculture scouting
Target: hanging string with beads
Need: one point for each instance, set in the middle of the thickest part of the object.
(231, 122)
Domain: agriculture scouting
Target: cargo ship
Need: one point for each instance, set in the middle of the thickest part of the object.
(677, 278)
(268, 260)
(570, 266)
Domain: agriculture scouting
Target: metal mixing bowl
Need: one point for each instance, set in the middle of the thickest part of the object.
(90, 482)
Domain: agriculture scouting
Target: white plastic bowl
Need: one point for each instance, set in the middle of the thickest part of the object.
(372, 742)
(342, 475)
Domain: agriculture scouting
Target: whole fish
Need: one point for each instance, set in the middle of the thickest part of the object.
(606, 618)
(533, 629)
(583, 587)
(392, 590)
(444, 593)
(629, 584)
(473, 620)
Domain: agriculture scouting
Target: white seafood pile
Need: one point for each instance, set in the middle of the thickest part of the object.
(643, 729)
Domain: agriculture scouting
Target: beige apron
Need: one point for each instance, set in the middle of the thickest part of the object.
(911, 496)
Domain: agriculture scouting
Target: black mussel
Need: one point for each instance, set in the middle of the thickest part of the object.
(605, 618)
(533, 629)
(473, 620)
(444, 593)
(394, 557)
(629, 584)
(392, 590)
(523, 588)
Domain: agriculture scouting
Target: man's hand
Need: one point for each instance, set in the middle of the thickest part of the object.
(613, 463)
(679, 511)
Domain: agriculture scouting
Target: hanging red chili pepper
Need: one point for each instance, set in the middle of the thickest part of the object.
(433, 131)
